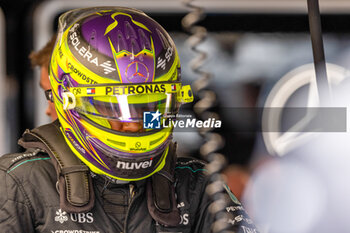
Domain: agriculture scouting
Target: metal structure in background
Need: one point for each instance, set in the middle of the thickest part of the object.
(47, 11)
(280, 142)
(318, 85)
(318, 50)
(207, 98)
(4, 143)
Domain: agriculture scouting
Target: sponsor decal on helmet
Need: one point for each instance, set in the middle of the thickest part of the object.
(60, 52)
(90, 91)
(138, 147)
(134, 165)
(136, 89)
(81, 74)
(88, 55)
(161, 62)
(72, 138)
(107, 65)
(82, 51)
(120, 89)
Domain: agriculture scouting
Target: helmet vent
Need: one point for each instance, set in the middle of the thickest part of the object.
(134, 46)
(123, 144)
(92, 39)
(130, 32)
(163, 39)
(156, 140)
(145, 43)
(121, 42)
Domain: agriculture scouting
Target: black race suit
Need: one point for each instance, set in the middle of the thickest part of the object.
(29, 201)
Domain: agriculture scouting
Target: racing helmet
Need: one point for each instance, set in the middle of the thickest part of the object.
(115, 77)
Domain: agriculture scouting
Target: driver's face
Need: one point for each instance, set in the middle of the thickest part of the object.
(45, 85)
(129, 127)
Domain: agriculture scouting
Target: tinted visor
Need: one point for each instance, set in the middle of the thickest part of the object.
(126, 108)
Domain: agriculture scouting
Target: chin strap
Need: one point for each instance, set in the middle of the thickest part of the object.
(161, 200)
(73, 177)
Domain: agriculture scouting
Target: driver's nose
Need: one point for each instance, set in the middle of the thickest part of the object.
(131, 127)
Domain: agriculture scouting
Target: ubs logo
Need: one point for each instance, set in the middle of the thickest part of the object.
(82, 217)
(62, 216)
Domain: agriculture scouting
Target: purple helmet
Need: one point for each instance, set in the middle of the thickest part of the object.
(111, 68)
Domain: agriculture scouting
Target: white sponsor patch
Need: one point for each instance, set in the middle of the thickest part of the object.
(134, 165)
(61, 216)
(82, 217)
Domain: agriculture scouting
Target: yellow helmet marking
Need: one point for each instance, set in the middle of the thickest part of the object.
(127, 89)
(115, 57)
(115, 23)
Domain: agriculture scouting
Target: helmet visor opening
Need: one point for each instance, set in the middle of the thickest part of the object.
(107, 111)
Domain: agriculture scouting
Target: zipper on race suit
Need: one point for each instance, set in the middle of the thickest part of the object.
(132, 191)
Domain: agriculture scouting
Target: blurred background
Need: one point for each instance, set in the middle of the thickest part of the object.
(251, 46)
